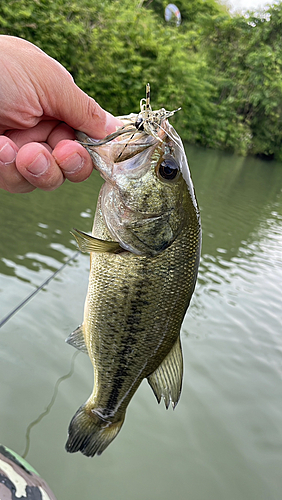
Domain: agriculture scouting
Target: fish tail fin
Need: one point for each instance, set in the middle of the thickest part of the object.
(89, 433)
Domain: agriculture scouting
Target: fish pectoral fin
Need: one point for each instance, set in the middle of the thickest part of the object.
(166, 380)
(88, 243)
(76, 339)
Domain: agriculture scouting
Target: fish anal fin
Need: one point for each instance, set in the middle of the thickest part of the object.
(76, 339)
(166, 380)
(88, 243)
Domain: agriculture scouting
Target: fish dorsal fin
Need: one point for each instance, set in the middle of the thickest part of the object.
(88, 243)
(76, 339)
(166, 380)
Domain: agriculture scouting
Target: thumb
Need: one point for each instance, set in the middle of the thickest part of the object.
(83, 113)
(68, 103)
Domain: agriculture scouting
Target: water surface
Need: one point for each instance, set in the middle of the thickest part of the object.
(224, 440)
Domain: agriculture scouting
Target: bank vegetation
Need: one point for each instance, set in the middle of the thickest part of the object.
(225, 71)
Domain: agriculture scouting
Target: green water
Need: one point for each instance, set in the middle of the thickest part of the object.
(224, 440)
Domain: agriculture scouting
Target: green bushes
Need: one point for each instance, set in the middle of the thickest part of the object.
(247, 54)
(224, 71)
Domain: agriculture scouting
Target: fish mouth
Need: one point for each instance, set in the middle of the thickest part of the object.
(115, 148)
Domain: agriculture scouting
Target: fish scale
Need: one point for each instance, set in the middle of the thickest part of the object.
(145, 250)
(133, 314)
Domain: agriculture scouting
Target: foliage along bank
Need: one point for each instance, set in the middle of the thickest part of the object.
(224, 71)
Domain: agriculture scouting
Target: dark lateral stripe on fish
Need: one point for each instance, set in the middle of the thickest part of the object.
(136, 301)
(121, 373)
(133, 320)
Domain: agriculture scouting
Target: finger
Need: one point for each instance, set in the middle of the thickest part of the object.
(47, 146)
(10, 178)
(60, 133)
(38, 167)
(39, 133)
(50, 131)
(78, 110)
(73, 160)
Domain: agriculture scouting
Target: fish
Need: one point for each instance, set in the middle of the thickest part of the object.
(144, 258)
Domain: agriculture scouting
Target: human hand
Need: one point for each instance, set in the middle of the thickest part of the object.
(40, 107)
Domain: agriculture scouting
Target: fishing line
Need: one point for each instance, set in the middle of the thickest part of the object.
(48, 408)
(32, 294)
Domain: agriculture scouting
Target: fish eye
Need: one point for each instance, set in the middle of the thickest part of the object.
(168, 169)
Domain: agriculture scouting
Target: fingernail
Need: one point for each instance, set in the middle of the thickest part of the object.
(73, 163)
(112, 123)
(39, 165)
(7, 154)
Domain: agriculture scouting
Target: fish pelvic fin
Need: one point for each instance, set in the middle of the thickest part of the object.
(89, 433)
(76, 339)
(88, 243)
(166, 380)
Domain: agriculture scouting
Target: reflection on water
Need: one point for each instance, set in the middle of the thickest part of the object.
(224, 439)
(37, 290)
(49, 406)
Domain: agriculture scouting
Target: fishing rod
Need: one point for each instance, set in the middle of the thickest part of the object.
(32, 294)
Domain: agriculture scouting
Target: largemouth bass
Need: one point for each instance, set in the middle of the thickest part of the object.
(145, 248)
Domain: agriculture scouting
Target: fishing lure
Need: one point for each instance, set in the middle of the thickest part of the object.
(147, 121)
